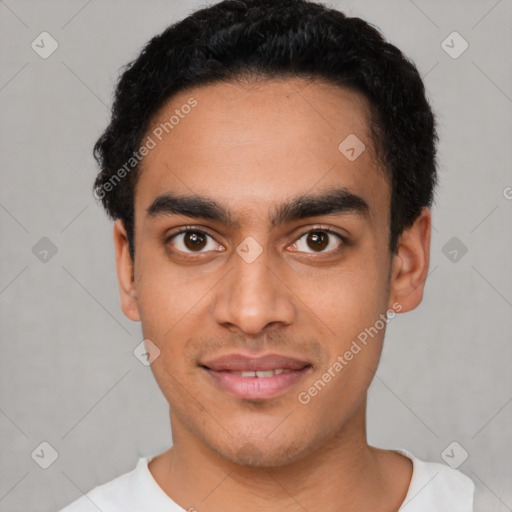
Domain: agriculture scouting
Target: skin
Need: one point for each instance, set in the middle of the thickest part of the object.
(250, 147)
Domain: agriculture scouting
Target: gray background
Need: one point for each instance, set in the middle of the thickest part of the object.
(67, 372)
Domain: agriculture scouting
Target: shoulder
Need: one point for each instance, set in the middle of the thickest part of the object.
(113, 496)
(436, 486)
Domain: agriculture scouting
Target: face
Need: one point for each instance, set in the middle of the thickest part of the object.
(260, 245)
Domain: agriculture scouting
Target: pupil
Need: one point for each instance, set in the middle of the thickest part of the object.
(319, 240)
(194, 241)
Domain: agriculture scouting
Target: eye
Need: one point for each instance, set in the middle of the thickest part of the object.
(319, 240)
(193, 241)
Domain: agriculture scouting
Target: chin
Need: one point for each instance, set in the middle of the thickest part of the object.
(262, 453)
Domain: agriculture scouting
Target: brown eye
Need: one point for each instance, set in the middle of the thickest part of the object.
(193, 241)
(318, 241)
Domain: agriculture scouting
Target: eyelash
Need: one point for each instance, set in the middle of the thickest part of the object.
(188, 229)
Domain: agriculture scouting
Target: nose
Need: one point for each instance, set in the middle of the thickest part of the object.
(252, 297)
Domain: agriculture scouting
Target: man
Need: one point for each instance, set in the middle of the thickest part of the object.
(270, 167)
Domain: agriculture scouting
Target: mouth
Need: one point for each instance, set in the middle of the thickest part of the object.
(251, 378)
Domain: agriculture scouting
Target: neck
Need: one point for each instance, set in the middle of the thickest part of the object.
(343, 473)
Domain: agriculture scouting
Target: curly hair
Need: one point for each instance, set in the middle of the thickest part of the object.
(233, 39)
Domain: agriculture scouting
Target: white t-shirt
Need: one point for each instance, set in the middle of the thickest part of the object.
(434, 487)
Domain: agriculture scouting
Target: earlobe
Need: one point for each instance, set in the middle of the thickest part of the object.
(410, 263)
(125, 273)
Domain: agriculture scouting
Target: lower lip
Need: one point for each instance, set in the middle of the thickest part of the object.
(256, 388)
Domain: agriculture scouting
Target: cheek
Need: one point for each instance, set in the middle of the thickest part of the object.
(167, 296)
(353, 352)
(346, 300)
(174, 306)
(171, 313)
(350, 308)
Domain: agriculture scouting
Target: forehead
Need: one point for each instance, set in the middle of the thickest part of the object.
(256, 143)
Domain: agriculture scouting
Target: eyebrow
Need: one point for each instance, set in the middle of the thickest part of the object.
(335, 201)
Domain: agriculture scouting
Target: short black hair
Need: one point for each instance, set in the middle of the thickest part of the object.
(236, 39)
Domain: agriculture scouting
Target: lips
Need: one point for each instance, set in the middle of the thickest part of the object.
(242, 363)
(253, 378)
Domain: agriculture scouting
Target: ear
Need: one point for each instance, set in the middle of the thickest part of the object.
(409, 267)
(125, 274)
